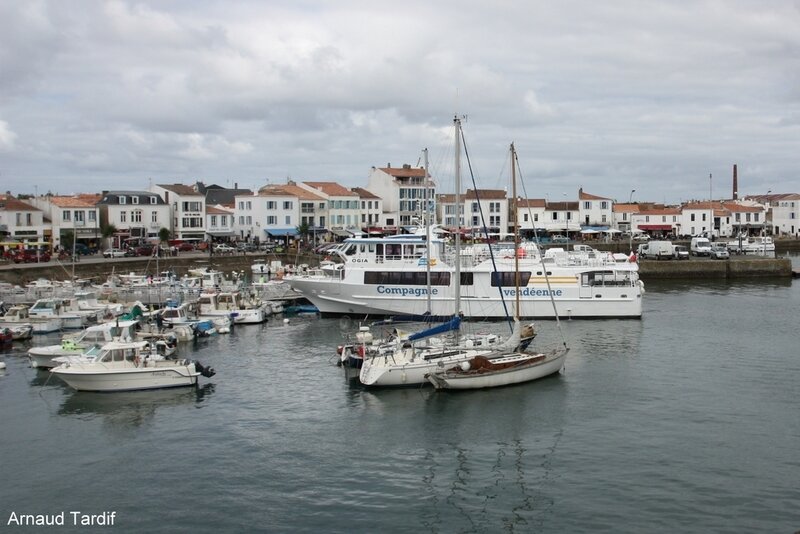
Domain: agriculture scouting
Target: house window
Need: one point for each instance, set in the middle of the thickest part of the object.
(66, 215)
(322, 205)
(249, 205)
(153, 200)
(646, 218)
(587, 205)
(475, 207)
(535, 217)
(241, 205)
(691, 217)
(134, 200)
(223, 220)
(92, 215)
(604, 205)
(271, 204)
(272, 219)
(123, 216)
(289, 219)
(154, 216)
(555, 215)
(569, 215)
(79, 216)
(123, 200)
(755, 217)
(136, 216)
(249, 220)
(525, 217)
(28, 220)
(213, 221)
(287, 205)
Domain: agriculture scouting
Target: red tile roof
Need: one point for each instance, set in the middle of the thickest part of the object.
(332, 189)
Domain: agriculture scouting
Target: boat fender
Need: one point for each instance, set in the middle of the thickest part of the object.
(361, 350)
(465, 366)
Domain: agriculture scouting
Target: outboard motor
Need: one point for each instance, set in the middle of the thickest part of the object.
(207, 372)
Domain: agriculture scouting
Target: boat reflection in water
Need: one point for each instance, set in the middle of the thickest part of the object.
(130, 409)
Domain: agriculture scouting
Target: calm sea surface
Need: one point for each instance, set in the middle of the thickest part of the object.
(685, 421)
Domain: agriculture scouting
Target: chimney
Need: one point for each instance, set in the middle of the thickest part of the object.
(735, 183)
(236, 185)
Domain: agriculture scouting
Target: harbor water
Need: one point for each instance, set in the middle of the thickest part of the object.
(685, 421)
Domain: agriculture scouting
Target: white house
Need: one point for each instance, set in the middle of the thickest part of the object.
(403, 190)
(219, 222)
(562, 217)
(594, 210)
(783, 217)
(531, 214)
(622, 216)
(135, 214)
(371, 210)
(274, 212)
(446, 211)
(77, 214)
(657, 221)
(344, 207)
(188, 210)
(22, 221)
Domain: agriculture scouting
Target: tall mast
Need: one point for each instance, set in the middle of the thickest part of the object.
(515, 228)
(428, 222)
(457, 124)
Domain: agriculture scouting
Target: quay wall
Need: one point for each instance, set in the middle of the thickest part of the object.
(719, 269)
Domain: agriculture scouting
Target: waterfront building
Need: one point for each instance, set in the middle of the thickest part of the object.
(622, 216)
(188, 210)
(594, 210)
(274, 212)
(21, 221)
(783, 217)
(219, 222)
(531, 215)
(658, 221)
(343, 205)
(135, 214)
(403, 190)
(371, 211)
(562, 217)
(493, 205)
(75, 214)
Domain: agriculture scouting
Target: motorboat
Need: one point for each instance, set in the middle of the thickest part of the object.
(126, 366)
(231, 304)
(92, 337)
(21, 332)
(18, 315)
(54, 308)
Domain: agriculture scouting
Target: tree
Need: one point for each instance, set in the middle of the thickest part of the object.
(304, 229)
(67, 239)
(164, 234)
(108, 231)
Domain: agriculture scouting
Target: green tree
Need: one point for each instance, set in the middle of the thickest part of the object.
(164, 234)
(67, 239)
(108, 231)
(304, 229)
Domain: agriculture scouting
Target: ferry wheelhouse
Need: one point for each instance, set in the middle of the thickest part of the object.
(390, 275)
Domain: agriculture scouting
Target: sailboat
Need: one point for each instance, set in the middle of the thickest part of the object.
(511, 365)
(407, 364)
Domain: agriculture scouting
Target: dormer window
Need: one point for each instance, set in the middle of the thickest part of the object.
(123, 200)
(153, 200)
(135, 200)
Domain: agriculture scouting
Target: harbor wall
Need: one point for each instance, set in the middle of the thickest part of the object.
(718, 269)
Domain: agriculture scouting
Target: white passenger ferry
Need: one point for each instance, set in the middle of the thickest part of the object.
(389, 276)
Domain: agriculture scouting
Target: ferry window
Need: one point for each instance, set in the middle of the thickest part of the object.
(379, 249)
(405, 278)
(408, 251)
(350, 250)
(467, 279)
(371, 247)
(362, 248)
(509, 279)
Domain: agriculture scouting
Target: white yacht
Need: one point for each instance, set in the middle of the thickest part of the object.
(231, 304)
(54, 308)
(91, 338)
(18, 315)
(389, 276)
(126, 366)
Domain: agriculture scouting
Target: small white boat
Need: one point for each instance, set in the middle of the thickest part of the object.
(19, 315)
(126, 366)
(49, 308)
(230, 304)
(21, 332)
(483, 372)
(92, 337)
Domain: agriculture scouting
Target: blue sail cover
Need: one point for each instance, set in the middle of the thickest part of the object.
(452, 324)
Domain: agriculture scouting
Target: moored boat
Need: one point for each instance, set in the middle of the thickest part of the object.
(125, 366)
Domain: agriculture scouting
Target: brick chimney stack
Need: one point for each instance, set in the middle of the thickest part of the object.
(735, 183)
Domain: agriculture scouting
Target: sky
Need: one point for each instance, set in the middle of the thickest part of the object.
(658, 97)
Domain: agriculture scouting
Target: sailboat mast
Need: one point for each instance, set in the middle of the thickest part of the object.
(515, 227)
(457, 124)
(428, 223)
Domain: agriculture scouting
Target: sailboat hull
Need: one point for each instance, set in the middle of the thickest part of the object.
(525, 372)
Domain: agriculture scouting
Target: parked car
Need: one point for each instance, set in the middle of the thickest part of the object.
(114, 253)
(144, 250)
(30, 255)
(224, 249)
(184, 247)
(680, 252)
(558, 238)
(83, 250)
(245, 247)
(719, 251)
(641, 237)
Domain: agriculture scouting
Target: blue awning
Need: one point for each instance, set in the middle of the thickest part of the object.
(281, 232)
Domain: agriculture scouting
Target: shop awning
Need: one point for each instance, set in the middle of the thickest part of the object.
(339, 232)
(666, 227)
(221, 233)
(281, 232)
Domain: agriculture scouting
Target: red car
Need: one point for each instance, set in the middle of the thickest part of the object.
(185, 247)
(30, 256)
(144, 251)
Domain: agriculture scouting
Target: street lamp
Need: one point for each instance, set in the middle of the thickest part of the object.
(630, 223)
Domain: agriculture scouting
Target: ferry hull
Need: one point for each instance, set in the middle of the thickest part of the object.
(335, 298)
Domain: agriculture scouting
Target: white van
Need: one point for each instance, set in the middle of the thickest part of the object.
(700, 246)
(657, 250)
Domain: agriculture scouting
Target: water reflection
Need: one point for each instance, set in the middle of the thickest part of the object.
(130, 409)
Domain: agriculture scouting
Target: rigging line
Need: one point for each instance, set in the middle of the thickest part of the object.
(541, 259)
(486, 231)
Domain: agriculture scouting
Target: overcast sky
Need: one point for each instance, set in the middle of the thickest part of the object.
(608, 96)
